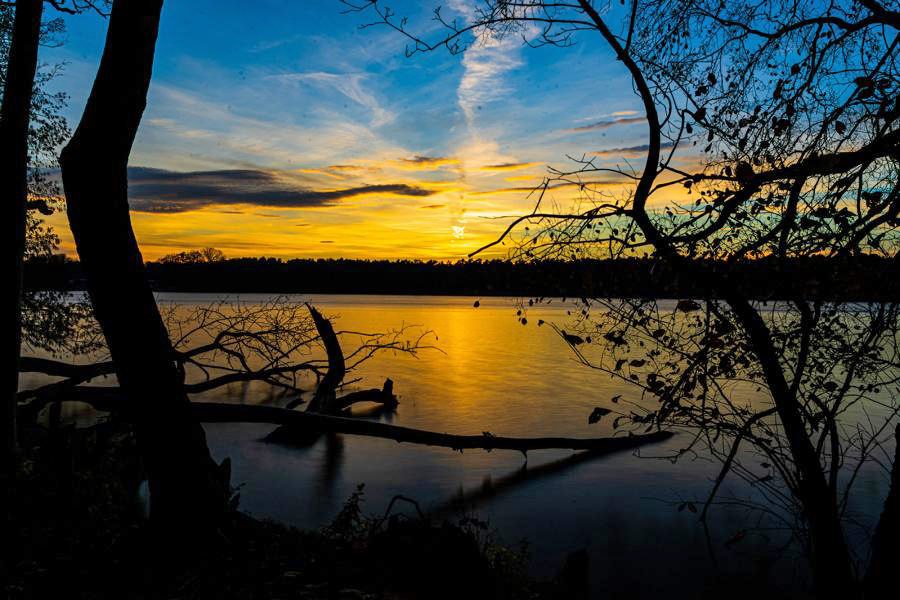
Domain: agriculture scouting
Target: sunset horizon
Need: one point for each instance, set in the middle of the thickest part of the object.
(450, 300)
(284, 144)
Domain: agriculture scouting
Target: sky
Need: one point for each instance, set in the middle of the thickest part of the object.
(283, 129)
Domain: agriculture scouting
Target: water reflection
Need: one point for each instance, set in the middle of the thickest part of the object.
(496, 375)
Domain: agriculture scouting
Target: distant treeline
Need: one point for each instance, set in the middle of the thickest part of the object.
(857, 278)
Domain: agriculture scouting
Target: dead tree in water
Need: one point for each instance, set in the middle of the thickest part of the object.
(227, 343)
(325, 399)
(186, 491)
(261, 343)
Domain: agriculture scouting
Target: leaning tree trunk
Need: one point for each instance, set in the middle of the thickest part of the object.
(829, 556)
(15, 115)
(185, 491)
(881, 579)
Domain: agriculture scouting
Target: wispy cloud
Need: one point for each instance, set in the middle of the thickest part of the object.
(618, 113)
(264, 45)
(324, 172)
(628, 152)
(482, 81)
(354, 169)
(211, 133)
(485, 63)
(161, 191)
(559, 186)
(348, 84)
(606, 124)
(425, 163)
(509, 166)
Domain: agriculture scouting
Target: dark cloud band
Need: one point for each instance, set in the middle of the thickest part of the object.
(629, 150)
(605, 124)
(163, 191)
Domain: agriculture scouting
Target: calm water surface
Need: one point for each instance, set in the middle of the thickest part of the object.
(494, 374)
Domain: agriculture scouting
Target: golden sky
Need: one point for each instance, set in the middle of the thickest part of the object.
(295, 134)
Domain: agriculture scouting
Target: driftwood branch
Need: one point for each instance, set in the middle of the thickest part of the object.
(109, 399)
(383, 396)
(324, 398)
(226, 413)
(270, 335)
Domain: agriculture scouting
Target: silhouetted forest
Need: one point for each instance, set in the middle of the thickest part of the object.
(863, 277)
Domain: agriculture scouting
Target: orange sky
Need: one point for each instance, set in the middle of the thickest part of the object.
(298, 135)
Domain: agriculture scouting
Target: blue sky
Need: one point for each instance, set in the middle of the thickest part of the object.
(253, 104)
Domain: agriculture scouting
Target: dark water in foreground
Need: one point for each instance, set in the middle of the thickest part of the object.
(494, 374)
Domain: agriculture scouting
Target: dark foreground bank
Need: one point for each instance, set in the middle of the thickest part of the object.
(78, 531)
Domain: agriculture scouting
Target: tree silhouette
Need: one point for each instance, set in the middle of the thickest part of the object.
(204, 255)
(789, 111)
(14, 120)
(187, 495)
(30, 130)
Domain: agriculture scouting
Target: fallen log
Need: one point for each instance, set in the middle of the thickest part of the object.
(316, 422)
(109, 399)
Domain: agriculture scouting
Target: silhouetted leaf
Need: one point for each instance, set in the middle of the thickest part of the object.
(597, 414)
(575, 340)
(743, 170)
(687, 306)
(615, 338)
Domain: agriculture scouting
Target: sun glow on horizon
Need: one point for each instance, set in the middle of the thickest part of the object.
(275, 144)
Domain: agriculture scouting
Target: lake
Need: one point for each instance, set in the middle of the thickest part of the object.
(492, 374)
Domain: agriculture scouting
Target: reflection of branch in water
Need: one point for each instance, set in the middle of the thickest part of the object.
(375, 412)
(491, 488)
(332, 461)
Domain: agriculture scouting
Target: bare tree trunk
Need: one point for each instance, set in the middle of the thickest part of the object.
(881, 579)
(185, 490)
(829, 557)
(324, 398)
(15, 115)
